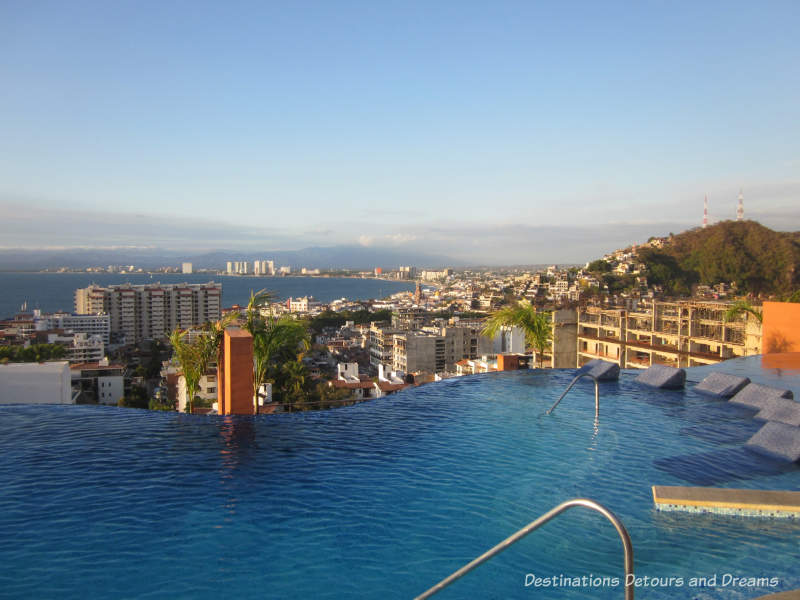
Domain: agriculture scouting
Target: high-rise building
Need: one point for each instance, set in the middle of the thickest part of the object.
(186, 268)
(140, 312)
(264, 267)
(238, 267)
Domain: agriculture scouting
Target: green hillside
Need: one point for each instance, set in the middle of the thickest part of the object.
(755, 258)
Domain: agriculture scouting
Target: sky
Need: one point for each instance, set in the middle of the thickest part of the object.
(494, 132)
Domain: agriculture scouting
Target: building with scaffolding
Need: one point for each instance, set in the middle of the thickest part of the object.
(684, 333)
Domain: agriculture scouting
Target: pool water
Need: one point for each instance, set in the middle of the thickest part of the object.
(382, 499)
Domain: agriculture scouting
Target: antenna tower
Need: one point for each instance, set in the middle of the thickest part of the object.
(705, 212)
(740, 209)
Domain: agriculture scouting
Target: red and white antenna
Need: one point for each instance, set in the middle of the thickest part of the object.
(705, 212)
(740, 209)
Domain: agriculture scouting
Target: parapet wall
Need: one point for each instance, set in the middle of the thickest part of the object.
(781, 328)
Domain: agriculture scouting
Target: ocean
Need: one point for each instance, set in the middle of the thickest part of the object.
(51, 292)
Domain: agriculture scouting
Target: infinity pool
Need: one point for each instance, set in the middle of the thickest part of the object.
(383, 499)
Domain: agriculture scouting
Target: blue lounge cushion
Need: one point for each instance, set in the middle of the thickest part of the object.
(781, 410)
(600, 369)
(663, 376)
(721, 385)
(758, 396)
(778, 440)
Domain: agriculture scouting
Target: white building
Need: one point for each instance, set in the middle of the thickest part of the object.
(36, 383)
(91, 324)
(264, 267)
(100, 381)
(186, 268)
(207, 391)
(81, 347)
(509, 340)
(347, 371)
(436, 275)
(238, 267)
(303, 305)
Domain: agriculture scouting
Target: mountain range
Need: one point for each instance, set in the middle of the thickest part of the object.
(332, 257)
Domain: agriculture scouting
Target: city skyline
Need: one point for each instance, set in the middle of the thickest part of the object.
(496, 135)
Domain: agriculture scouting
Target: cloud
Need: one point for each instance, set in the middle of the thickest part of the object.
(554, 236)
(389, 239)
(27, 226)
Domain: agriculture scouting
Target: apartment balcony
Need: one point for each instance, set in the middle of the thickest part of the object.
(655, 347)
(612, 340)
(637, 362)
(588, 318)
(603, 355)
(611, 322)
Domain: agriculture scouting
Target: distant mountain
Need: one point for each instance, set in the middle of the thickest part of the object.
(757, 259)
(333, 257)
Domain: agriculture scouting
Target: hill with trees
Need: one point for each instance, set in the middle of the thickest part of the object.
(754, 258)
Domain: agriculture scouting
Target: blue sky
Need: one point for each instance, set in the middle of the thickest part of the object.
(550, 132)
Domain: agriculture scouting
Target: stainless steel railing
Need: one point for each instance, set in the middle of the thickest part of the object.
(627, 545)
(569, 387)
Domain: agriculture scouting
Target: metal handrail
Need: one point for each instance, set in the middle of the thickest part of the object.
(569, 387)
(627, 545)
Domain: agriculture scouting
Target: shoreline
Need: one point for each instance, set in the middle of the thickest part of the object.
(432, 284)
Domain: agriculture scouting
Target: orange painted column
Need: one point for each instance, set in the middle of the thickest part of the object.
(235, 377)
(781, 327)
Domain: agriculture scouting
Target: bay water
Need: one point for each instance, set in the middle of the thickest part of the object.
(52, 292)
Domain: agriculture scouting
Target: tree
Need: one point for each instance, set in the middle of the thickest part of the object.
(136, 399)
(33, 353)
(275, 342)
(742, 306)
(295, 375)
(599, 266)
(210, 340)
(189, 358)
(196, 357)
(794, 297)
(535, 325)
(327, 396)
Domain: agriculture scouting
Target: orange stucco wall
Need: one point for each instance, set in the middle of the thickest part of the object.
(235, 385)
(781, 327)
(507, 362)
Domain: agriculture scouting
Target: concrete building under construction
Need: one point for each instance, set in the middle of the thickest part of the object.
(683, 333)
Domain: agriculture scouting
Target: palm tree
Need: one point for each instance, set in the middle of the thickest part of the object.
(210, 340)
(282, 341)
(190, 360)
(253, 318)
(257, 326)
(295, 381)
(742, 306)
(275, 341)
(535, 325)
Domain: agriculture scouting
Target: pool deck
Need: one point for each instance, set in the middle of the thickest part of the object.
(735, 501)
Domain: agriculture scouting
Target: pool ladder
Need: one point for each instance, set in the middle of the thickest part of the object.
(627, 545)
(569, 387)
